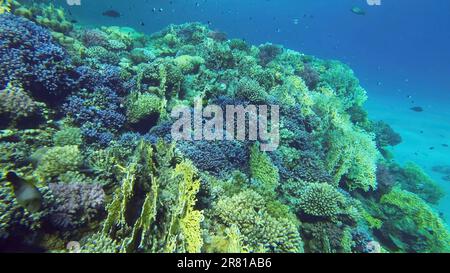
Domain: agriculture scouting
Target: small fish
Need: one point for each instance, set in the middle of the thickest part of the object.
(431, 148)
(111, 13)
(27, 195)
(445, 145)
(416, 109)
(358, 11)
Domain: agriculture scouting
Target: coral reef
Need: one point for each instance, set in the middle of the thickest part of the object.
(85, 117)
(76, 204)
(29, 56)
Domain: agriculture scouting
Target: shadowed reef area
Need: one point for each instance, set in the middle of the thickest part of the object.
(85, 120)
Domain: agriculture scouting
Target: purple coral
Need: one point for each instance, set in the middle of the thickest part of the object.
(76, 204)
(310, 76)
(94, 37)
(218, 36)
(29, 56)
(268, 53)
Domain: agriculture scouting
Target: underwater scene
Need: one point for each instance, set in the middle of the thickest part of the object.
(225, 126)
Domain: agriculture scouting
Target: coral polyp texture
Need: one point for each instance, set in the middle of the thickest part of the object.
(85, 121)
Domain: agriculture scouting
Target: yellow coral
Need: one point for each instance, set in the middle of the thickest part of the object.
(5, 6)
(191, 219)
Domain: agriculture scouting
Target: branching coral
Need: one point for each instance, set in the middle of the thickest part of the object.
(58, 160)
(251, 90)
(29, 56)
(319, 199)
(113, 131)
(5, 6)
(262, 170)
(76, 204)
(261, 231)
(68, 136)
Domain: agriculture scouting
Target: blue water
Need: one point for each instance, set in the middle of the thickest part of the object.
(399, 51)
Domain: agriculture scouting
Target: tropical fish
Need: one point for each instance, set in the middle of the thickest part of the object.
(111, 13)
(27, 195)
(358, 11)
(417, 109)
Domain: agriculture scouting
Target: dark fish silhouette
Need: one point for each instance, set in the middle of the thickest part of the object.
(27, 195)
(111, 13)
(417, 109)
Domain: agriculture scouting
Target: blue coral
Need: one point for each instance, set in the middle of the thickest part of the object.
(28, 55)
(98, 114)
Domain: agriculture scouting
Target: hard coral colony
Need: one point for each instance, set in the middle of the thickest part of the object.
(85, 119)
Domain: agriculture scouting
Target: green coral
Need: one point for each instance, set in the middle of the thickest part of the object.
(320, 199)
(412, 178)
(407, 213)
(261, 230)
(141, 106)
(352, 153)
(263, 170)
(99, 243)
(188, 64)
(343, 82)
(68, 136)
(251, 90)
(5, 6)
(58, 160)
